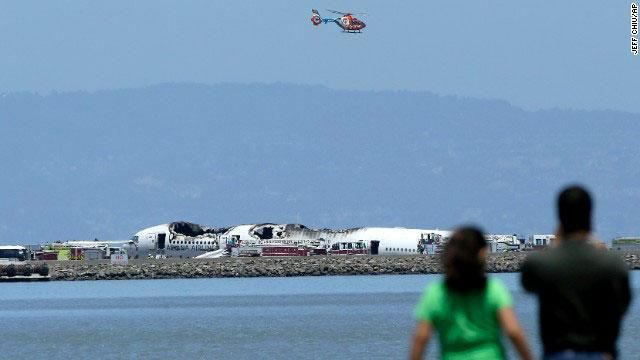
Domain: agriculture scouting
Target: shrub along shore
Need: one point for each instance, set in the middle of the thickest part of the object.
(24, 269)
(277, 266)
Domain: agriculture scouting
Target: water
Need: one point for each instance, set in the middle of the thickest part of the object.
(353, 317)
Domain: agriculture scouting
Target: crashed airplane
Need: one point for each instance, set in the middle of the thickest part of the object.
(186, 240)
(177, 239)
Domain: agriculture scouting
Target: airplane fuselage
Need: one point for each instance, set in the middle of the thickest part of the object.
(163, 240)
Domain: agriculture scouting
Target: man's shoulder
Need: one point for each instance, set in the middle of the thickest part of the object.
(567, 256)
(612, 262)
(547, 259)
(538, 258)
(602, 259)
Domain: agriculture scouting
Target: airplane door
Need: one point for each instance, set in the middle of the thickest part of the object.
(161, 238)
(374, 247)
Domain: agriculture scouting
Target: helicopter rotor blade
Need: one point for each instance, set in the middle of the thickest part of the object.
(336, 12)
(347, 13)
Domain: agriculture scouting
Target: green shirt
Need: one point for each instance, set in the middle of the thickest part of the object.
(467, 324)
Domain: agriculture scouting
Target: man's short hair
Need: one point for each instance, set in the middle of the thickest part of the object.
(574, 209)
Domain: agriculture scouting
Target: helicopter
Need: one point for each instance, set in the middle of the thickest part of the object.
(347, 22)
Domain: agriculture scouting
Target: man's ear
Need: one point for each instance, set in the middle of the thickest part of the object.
(483, 252)
(559, 232)
(559, 235)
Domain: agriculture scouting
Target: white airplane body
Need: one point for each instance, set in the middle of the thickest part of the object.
(163, 240)
(380, 241)
(177, 240)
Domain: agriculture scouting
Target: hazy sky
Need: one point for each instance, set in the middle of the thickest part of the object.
(567, 54)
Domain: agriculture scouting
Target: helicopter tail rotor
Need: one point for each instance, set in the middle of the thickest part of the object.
(315, 17)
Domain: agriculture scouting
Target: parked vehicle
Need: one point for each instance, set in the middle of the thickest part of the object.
(13, 253)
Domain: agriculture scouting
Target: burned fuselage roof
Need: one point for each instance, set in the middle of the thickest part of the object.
(192, 230)
(268, 231)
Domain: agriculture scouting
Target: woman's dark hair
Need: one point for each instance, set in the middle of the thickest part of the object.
(464, 269)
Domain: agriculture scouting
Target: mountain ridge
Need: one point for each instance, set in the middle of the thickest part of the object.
(107, 163)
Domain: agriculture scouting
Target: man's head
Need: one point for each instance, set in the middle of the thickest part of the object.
(574, 210)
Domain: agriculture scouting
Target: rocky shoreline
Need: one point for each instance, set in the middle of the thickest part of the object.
(281, 266)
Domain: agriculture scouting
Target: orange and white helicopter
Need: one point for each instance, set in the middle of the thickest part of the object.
(347, 22)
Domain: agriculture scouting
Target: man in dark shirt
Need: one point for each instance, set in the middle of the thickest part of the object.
(583, 291)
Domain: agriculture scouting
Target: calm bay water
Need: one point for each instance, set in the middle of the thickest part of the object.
(354, 317)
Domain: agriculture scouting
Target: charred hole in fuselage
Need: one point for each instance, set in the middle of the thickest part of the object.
(264, 232)
(190, 229)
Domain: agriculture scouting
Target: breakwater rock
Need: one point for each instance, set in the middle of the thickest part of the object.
(277, 266)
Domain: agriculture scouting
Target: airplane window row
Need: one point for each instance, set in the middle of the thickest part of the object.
(191, 242)
(400, 249)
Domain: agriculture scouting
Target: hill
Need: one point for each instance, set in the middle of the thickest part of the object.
(105, 164)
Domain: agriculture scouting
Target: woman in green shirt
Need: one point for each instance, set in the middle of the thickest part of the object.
(468, 310)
